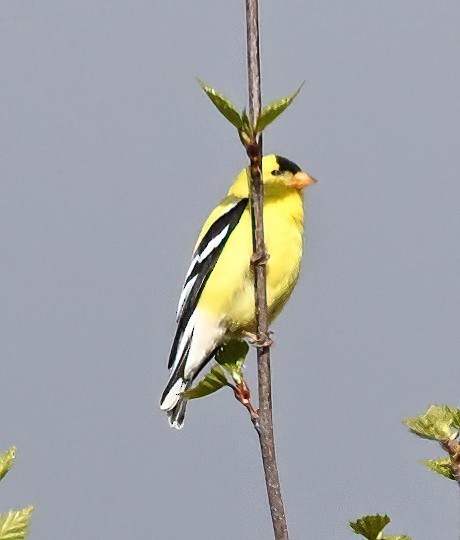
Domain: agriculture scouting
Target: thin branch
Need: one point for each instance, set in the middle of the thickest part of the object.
(243, 395)
(453, 449)
(259, 259)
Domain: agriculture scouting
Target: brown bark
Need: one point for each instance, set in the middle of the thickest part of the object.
(259, 259)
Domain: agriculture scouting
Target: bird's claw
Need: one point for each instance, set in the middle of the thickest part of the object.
(264, 340)
(260, 340)
(259, 258)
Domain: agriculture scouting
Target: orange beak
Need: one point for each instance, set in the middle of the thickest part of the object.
(301, 180)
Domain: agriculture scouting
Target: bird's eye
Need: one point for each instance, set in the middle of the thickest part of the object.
(276, 173)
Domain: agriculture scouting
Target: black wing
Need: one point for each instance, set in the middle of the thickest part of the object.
(204, 259)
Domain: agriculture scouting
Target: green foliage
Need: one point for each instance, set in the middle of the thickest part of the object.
(223, 105)
(231, 357)
(440, 423)
(436, 424)
(455, 417)
(15, 524)
(213, 381)
(240, 119)
(274, 109)
(6, 461)
(371, 527)
(442, 466)
(246, 124)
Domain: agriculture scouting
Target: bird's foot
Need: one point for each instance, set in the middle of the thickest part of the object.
(259, 258)
(259, 340)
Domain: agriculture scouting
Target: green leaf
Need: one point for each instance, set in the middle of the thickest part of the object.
(404, 537)
(245, 124)
(436, 423)
(370, 526)
(213, 381)
(231, 357)
(441, 466)
(455, 414)
(6, 461)
(273, 110)
(223, 104)
(15, 524)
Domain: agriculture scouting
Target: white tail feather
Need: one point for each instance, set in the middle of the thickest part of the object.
(173, 396)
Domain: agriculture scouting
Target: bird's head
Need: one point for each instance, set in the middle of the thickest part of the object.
(279, 174)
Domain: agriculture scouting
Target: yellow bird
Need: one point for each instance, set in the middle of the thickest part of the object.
(217, 300)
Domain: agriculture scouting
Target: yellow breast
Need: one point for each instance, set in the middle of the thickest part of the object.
(229, 291)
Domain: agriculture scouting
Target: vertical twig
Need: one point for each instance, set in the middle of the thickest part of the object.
(254, 151)
(453, 449)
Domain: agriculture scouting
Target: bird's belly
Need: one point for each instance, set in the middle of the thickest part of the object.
(229, 292)
(241, 311)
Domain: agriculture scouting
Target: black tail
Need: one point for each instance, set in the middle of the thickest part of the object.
(176, 415)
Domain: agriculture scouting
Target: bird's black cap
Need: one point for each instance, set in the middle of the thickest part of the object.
(287, 165)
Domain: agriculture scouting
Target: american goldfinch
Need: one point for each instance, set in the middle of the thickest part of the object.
(217, 299)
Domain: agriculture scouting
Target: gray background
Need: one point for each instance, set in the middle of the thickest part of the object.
(112, 158)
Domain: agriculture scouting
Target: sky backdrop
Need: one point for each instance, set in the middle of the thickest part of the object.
(112, 157)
